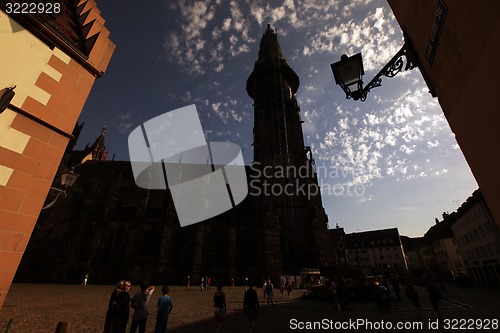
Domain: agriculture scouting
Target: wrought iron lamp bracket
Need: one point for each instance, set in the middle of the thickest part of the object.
(405, 59)
(61, 193)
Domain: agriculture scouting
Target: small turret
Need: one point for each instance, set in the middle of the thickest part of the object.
(98, 148)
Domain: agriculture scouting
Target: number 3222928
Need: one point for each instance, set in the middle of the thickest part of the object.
(471, 324)
(32, 8)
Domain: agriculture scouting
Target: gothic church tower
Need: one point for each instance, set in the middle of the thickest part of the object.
(277, 126)
(296, 223)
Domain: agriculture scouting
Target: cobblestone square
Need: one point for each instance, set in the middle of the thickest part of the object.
(37, 308)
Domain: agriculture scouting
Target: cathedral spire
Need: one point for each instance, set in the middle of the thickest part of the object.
(271, 61)
(98, 148)
(278, 137)
(270, 48)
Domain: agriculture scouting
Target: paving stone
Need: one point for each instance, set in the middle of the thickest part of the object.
(37, 308)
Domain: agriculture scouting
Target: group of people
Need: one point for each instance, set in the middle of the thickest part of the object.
(339, 295)
(431, 284)
(286, 288)
(434, 296)
(121, 302)
(384, 296)
(205, 283)
(268, 288)
(250, 304)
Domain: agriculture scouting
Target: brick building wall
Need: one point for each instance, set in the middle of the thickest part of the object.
(53, 79)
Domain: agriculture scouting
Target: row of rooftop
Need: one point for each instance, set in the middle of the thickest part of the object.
(465, 243)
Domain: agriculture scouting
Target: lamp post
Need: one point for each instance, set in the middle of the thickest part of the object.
(68, 178)
(349, 71)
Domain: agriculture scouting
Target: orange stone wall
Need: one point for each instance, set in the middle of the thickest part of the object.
(36, 128)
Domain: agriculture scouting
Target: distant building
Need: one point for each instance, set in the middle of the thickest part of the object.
(465, 242)
(110, 227)
(457, 44)
(413, 255)
(478, 239)
(440, 252)
(377, 251)
(49, 61)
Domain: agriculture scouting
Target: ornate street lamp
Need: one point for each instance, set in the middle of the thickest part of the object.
(68, 178)
(349, 71)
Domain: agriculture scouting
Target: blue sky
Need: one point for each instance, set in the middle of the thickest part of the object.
(391, 160)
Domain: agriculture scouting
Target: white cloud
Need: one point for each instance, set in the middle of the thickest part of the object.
(226, 110)
(123, 122)
(373, 36)
(433, 144)
(390, 136)
(226, 25)
(257, 12)
(191, 45)
(392, 142)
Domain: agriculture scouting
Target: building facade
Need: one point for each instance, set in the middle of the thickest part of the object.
(478, 239)
(456, 42)
(48, 64)
(377, 252)
(112, 229)
(440, 252)
(464, 245)
(413, 254)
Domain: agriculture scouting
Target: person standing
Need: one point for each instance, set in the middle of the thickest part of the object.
(246, 284)
(269, 292)
(412, 294)
(343, 297)
(435, 296)
(122, 310)
(219, 308)
(140, 305)
(188, 283)
(112, 307)
(333, 295)
(396, 289)
(251, 306)
(85, 279)
(289, 288)
(164, 308)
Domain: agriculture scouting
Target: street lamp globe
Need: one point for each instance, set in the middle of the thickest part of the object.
(348, 74)
(68, 178)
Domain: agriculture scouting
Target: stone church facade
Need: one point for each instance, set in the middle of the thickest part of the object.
(113, 229)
